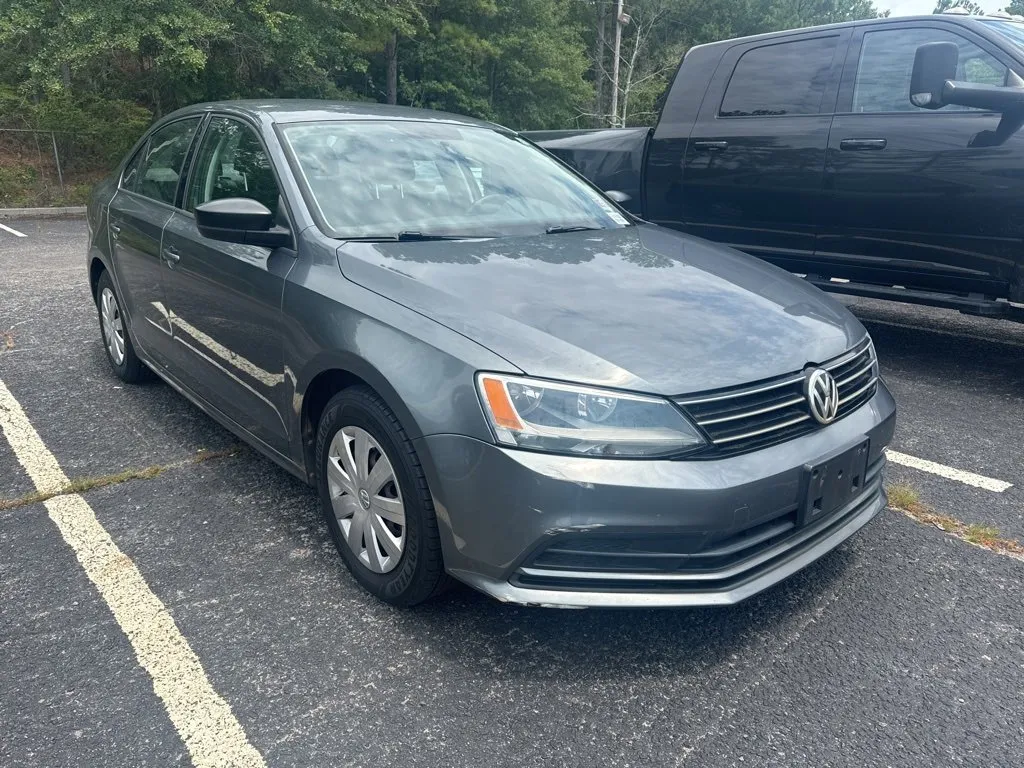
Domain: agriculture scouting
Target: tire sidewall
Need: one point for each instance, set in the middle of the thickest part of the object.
(104, 283)
(356, 410)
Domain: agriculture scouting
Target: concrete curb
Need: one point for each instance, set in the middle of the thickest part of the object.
(42, 213)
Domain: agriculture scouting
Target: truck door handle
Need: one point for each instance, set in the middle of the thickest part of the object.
(861, 145)
(711, 146)
(171, 256)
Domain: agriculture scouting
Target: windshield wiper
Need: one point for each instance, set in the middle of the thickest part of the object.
(412, 236)
(408, 235)
(559, 229)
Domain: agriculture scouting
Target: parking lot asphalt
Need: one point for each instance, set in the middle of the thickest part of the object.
(904, 647)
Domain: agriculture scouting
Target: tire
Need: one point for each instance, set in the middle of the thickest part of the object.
(400, 564)
(116, 340)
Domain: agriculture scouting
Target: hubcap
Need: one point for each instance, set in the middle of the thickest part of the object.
(366, 499)
(113, 329)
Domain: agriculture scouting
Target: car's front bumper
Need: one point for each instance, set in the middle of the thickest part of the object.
(535, 529)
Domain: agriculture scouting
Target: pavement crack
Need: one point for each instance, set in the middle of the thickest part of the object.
(83, 484)
(904, 499)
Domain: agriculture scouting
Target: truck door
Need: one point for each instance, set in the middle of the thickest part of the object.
(916, 197)
(753, 166)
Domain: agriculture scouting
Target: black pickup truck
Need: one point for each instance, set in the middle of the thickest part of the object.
(879, 158)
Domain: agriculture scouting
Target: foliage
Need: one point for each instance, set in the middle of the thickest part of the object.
(98, 71)
(968, 5)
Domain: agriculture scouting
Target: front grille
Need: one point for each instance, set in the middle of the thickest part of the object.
(756, 416)
(609, 562)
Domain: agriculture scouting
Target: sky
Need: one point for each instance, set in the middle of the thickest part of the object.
(915, 7)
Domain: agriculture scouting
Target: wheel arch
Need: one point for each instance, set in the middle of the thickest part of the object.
(323, 379)
(97, 266)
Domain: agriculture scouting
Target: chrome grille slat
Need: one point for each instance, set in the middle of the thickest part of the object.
(755, 416)
(765, 430)
(860, 372)
(746, 414)
(863, 389)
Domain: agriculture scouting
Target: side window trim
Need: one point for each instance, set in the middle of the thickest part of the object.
(194, 162)
(190, 158)
(844, 106)
(829, 96)
(145, 145)
(134, 156)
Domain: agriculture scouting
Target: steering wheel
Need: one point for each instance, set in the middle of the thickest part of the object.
(492, 198)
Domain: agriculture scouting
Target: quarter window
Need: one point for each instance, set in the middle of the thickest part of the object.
(781, 79)
(130, 177)
(160, 169)
(887, 61)
(232, 163)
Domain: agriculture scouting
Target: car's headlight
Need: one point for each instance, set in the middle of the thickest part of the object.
(573, 419)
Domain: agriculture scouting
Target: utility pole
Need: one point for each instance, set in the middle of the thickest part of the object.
(615, 62)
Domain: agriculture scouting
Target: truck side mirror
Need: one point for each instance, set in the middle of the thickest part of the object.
(934, 64)
(617, 196)
(932, 85)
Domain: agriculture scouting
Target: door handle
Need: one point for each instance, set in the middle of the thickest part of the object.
(711, 146)
(861, 145)
(115, 231)
(171, 256)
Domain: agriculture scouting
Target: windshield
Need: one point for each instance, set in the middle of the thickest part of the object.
(381, 179)
(1012, 30)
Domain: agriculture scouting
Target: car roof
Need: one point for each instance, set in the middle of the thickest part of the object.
(314, 110)
(956, 19)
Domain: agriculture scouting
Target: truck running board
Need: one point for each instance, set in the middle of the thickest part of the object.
(970, 304)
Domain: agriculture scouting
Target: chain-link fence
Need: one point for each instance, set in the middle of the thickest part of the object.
(43, 168)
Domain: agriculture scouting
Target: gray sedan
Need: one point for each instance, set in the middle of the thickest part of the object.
(487, 368)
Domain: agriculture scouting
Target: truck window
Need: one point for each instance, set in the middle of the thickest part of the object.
(781, 79)
(887, 60)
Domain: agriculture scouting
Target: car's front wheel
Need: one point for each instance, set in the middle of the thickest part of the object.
(120, 352)
(376, 501)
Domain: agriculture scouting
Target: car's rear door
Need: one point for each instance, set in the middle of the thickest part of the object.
(753, 165)
(225, 298)
(138, 211)
(916, 197)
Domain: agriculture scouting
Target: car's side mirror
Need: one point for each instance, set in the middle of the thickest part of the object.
(934, 64)
(617, 196)
(240, 220)
(932, 85)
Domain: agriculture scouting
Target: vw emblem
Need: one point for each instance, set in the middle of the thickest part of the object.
(822, 395)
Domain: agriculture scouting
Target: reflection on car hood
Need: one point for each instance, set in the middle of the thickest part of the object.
(642, 308)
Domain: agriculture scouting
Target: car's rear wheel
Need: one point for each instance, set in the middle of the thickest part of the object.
(116, 341)
(375, 498)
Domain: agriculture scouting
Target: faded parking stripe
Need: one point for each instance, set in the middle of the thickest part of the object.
(950, 473)
(202, 718)
(14, 232)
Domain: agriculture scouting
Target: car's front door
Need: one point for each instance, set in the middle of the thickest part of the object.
(753, 165)
(140, 208)
(917, 197)
(224, 298)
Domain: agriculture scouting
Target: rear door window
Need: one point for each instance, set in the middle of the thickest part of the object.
(781, 79)
(130, 176)
(161, 166)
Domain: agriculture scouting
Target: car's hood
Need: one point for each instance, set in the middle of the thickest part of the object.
(641, 308)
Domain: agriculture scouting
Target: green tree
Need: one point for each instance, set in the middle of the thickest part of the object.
(968, 5)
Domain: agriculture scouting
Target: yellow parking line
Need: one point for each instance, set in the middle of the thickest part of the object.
(202, 718)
